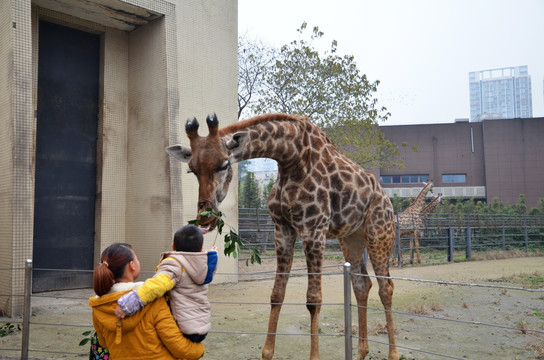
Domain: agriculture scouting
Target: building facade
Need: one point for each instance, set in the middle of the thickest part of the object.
(504, 91)
(482, 160)
(91, 93)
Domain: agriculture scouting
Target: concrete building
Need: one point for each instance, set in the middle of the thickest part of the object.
(482, 160)
(91, 93)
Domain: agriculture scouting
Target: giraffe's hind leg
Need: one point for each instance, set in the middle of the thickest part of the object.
(353, 249)
(381, 269)
(379, 235)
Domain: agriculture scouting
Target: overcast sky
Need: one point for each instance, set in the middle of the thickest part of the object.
(421, 51)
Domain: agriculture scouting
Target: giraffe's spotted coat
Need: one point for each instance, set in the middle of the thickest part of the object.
(319, 194)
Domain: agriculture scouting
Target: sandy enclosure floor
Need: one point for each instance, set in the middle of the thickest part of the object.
(240, 315)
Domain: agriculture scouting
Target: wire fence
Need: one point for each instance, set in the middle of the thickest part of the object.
(239, 322)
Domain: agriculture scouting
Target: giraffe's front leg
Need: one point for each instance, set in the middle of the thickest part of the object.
(284, 251)
(416, 240)
(411, 248)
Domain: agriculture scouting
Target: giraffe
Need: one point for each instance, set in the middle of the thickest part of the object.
(423, 215)
(411, 223)
(319, 193)
(432, 205)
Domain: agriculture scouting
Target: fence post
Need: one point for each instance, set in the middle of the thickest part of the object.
(347, 311)
(503, 235)
(397, 238)
(26, 310)
(468, 243)
(525, 233)
(258, 220)
(450, 245)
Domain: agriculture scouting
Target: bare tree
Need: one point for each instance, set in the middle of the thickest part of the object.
(254, 61)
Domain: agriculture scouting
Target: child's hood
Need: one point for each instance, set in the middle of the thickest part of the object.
(195, 264)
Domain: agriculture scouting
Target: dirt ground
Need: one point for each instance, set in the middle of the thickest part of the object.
(240, 315)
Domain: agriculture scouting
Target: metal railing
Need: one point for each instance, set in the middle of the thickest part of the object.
(443, 235)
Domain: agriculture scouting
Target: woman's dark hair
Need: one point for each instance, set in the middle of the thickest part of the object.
(188, 238)
(112, 266)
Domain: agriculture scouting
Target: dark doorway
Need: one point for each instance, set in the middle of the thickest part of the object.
(65, 184)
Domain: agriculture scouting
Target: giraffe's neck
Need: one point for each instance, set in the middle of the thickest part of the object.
(432, 205)
(288, 141)
(419, 202)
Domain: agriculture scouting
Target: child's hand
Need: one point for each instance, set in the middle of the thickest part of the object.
(214, 248)
(119, 312)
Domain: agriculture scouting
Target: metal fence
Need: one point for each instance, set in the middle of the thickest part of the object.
(444, 237)
(232, 338)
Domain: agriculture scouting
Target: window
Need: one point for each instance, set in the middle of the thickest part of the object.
(454, 178)
(403, 179)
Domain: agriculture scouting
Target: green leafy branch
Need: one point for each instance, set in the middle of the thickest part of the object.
(88, 335)
(232, 240)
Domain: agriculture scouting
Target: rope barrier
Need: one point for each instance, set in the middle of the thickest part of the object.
(451, 320)
(298, 273)
(441, 282)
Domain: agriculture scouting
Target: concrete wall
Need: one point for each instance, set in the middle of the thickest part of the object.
(6, 151)
(513, 159)
(16, 149)
(178, 59)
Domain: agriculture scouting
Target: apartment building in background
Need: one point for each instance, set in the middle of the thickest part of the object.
(503, 92)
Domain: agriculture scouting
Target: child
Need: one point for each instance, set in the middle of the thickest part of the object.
(185, 273)
(151, 333)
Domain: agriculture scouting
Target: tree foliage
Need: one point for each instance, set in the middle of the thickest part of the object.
(327, 88)
(249, 195)
(267, 189)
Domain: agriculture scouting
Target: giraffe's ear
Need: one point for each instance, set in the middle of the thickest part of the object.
(236, 144)
(182, 153)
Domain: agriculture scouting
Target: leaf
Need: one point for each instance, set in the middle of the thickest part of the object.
(84, 341)
(232, 240)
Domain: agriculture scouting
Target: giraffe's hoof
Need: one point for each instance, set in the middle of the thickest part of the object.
(393, 355)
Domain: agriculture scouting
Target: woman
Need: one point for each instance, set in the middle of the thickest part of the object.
(151, 333)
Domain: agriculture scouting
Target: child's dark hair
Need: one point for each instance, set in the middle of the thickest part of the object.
(113, 262)
(188, 238)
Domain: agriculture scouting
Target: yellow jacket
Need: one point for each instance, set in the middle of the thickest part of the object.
(150, 333)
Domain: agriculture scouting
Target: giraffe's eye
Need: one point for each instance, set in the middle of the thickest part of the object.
(225, 166)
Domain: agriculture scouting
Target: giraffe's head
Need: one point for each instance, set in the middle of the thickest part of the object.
(428, 186)
(210, 159)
